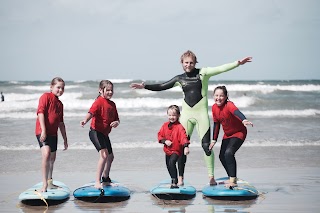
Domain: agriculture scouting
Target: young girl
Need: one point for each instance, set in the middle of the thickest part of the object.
(234, 123)
(49, 119)
(175, 140)
(104, 116)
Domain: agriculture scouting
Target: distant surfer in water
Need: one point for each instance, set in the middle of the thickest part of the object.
(49, 119)
(194, 83)
(176, 143)
(234, 123)
(104, 116)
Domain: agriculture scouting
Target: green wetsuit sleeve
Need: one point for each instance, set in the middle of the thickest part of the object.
(211, 71)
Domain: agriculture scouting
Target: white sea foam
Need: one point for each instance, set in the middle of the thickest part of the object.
(267, 88)
(45, 87)
(154, 144)
(285, 113)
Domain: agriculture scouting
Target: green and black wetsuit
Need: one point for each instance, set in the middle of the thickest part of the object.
(195, 103)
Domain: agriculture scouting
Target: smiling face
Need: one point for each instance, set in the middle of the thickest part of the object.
(107, 92)
(188, 64)
(58, 88)
(219, 97)
(173, 116)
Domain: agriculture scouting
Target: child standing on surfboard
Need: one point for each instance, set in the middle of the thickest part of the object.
(104, 116)
(176, 142)
(234, 124)
(49, 119)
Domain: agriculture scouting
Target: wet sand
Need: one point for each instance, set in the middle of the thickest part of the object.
(287, 177)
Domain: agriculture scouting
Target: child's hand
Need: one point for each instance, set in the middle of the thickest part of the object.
(168, 143)
(114, 124)
(186, 150)
(65, 145)
(43, 136)
(246, 122)
(213, 142)
(82, 123)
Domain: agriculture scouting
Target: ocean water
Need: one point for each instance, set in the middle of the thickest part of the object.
(284, 113)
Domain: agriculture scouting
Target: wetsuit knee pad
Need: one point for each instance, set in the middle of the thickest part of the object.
(205, 147)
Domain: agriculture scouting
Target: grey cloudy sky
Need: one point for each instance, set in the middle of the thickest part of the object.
(144, 39)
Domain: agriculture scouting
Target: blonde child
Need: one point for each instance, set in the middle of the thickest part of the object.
(176, 142)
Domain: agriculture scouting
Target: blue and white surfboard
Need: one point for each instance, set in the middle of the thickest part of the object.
(33, 196)
(244, 191)
(114, 192)
(163, 191)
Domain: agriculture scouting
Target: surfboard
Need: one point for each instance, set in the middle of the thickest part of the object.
(55, 196)
(115, 192)
(244, 191)
(163, 191)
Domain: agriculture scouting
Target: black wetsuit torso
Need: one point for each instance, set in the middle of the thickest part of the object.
(190, 84)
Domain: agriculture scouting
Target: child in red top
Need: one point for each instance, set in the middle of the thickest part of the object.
(176, 142)
(234, 123)
(49, 119)
(104, 116)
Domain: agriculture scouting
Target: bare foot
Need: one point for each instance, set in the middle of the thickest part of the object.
(212, 181)
(231, 185)
(97, 185)
(224, 182)
(51, 185)
(180, 181)
(43, 189)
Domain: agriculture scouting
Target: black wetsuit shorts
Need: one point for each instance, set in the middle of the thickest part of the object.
(51, 141)
(100, 141)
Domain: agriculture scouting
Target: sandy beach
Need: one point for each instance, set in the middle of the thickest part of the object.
(288, 181)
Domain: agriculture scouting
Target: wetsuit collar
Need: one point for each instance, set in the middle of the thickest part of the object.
(171, 124)
(193, 73)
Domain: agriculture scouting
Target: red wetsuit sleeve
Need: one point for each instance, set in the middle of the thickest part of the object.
(216, 123)
(94, 108)
(161, 134)
(42, 104)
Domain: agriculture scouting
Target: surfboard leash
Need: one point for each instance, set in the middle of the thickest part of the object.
(101, 195)
(41, 198)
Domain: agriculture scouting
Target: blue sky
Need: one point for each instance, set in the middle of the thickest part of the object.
(143, 39)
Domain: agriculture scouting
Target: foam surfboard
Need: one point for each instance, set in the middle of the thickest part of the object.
(244, 191)
(163, 191)
(114, 192)
(34, 197)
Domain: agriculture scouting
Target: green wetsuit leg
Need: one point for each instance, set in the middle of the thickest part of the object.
(197, 116)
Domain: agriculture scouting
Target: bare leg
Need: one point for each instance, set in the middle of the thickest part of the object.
(107, 168)
(180, 181)
(50, 181)
(45, 164)
(101, 164)
(232, 182)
